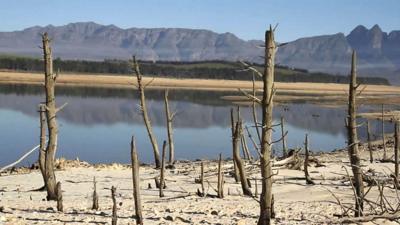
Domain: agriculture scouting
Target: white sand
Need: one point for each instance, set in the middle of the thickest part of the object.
(295, 202)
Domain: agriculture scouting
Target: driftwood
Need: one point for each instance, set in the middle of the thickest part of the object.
(95, 196)
(362, 219)
(136, 183)
(143, 109)
(396, 154)
(114, 208)
(20, 159)
(290, 162)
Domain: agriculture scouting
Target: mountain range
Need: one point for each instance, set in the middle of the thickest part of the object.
(378, 51)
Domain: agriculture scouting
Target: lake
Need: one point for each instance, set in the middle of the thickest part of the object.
(97, 124)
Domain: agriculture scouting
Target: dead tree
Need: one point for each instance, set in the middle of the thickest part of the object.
(143, 109)
(235, 169)
(307, 176)
(162, 170)
(202, 179)
(353, 139)
(114, 208)
(51, 110)
(169, 118)
(42, 143)
(284, 149)
(220, 186)
(396, 153)
(266, 130)
(60, 207)
(95, 197)
(371, 156)
(238, 160)
(383, 134)
(136, 184)
(201, 193)
(254, 107)
(245, 148)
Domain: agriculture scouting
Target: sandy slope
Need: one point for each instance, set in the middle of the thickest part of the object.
(201, 84)
(296, 203)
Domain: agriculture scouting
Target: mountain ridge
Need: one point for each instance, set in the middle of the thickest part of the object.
(378, 51)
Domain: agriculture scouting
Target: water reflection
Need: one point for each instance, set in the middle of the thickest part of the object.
(97, 123)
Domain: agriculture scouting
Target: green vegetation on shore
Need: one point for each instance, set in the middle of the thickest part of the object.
(200, 70)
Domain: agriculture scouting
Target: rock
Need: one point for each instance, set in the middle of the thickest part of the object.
(168, 210)
(241, 222)
(214, 212)
(169, 218)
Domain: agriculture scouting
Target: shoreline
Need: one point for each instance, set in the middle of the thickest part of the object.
(120, 81)
(295, 202)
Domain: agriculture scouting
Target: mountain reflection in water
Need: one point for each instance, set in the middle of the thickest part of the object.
(97, 123)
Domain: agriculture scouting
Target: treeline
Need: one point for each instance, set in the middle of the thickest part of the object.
(202, 70)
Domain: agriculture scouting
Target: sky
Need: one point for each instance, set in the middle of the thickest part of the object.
(247, 19)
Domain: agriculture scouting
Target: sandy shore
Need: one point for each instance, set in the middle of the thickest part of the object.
(295, 202)
(113, 81)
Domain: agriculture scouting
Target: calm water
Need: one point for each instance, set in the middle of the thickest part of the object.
(97, 124)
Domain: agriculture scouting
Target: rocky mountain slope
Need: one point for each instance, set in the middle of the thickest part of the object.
(378, 51)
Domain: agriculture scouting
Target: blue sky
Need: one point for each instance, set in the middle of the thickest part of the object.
(247, 19)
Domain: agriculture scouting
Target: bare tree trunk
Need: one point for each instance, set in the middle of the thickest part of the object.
(238, 160)
(253, 141)
(162, 169)
(114, 209)
(396, 150)
(371, 156)
(60, 207)
(308, 178)
(284, 149)
(202, 179)
(42, 148)
(95, 204)
(266, 144)
(383, 134)
(136, 183)
(170, 118)
(256, 188)
(353, 140)
(246, 150)
(50, 79)
(235, 169)
(220, 188)
(146, 118)
(254, 106)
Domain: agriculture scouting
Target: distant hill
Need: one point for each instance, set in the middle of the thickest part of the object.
(378, 51)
